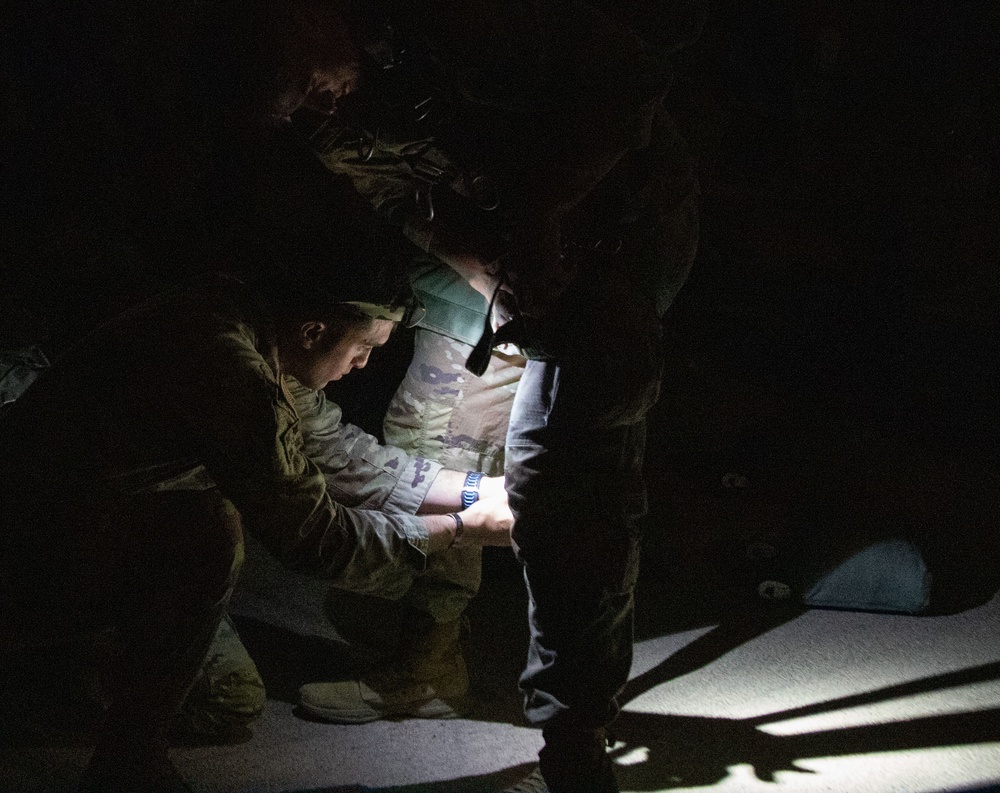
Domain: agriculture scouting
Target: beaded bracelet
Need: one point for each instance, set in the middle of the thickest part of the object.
(459, 528)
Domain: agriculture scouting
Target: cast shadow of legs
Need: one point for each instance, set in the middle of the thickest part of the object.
(687, 751)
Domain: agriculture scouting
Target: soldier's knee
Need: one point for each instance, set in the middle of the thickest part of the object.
(203, 537)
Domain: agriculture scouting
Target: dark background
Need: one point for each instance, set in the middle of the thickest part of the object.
(836, 345)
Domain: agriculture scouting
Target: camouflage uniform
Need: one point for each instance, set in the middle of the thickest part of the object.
(443, 412)
(440, 411)
(131, 468)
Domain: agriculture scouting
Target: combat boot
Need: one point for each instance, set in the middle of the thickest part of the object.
(428, 679)
(577, 761)
(533, 783)
(571, 762)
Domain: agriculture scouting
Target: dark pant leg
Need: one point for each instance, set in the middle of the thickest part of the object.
(574, 476)
(575, 446)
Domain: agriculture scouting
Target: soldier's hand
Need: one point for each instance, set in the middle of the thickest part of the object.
(492, 487)
(504, 307)
(489, 521)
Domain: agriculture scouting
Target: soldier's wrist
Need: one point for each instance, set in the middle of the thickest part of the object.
(456, 540)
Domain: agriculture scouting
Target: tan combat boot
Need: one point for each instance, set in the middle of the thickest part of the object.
(427, 680)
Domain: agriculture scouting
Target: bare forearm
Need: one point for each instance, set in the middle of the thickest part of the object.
(444, 495)
(487, 522)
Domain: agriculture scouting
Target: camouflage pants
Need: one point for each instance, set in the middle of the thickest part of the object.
(228, 694)
(444, 412)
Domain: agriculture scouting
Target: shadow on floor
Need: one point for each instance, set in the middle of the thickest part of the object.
(685, 751)
(656, 752)
(662, 752)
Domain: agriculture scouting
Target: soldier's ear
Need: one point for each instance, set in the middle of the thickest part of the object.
(312, 333)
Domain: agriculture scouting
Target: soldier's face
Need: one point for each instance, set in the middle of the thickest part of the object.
(318, 88)
(320, 360)
(322, 60)
(329, 83)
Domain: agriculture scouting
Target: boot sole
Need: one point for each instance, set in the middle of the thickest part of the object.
(435, 708)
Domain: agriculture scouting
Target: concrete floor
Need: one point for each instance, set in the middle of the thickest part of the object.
(724, 696)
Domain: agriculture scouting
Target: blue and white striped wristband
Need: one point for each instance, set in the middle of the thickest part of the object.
(470, 490)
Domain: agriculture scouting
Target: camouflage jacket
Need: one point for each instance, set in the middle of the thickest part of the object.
(186, 393)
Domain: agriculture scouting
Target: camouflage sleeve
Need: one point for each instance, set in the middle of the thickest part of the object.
(383, 178)
(251, 438)
(360, 472)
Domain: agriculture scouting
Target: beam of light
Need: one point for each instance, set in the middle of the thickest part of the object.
(962, 699)
(633, 755)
